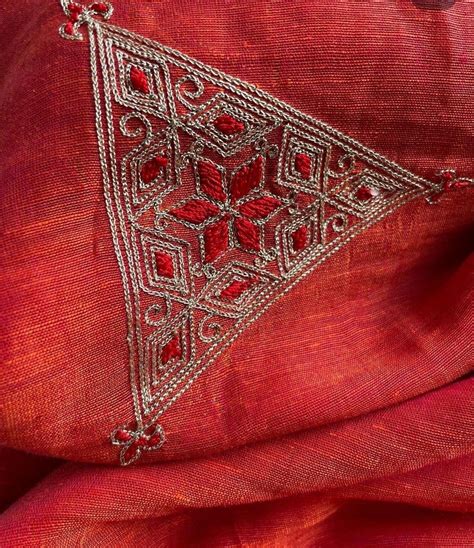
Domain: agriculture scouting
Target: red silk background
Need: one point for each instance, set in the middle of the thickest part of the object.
(342, 417)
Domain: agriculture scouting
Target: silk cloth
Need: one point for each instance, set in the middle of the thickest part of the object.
(344, 416)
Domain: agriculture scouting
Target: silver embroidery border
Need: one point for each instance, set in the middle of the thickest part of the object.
(423, 187)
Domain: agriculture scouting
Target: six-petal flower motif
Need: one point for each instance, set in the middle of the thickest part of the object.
(229, 209)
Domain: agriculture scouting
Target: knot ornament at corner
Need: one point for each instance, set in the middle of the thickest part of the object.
(449, 180)
(79, 14)
(134, 442)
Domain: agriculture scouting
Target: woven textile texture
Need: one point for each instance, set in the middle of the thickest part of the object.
(344, 415)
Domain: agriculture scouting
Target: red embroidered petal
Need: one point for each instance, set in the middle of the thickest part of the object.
(259, 208)
(303, 165)
(151, 169)
(141, 442)
(164, 264)
(99, 7)
(75, 8)
(228, 124)
(211, 181)
(300, 238)
(216, 240)
(247, 234)
(130, 453)
(69, 28)
(139, 80)
(122, 436)
(74, 11)
(246, 179)
(195, 211)
(171, 350)
(364, 194)
(236, 288)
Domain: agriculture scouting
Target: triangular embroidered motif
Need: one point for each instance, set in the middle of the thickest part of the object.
(221, 199)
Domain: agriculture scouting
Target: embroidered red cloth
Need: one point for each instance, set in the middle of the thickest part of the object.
(343, 416)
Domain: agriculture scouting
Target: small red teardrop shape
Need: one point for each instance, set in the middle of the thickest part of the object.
(364, 194)
(303, 165)
(122, 435)
(300, 238)
(151, 169)
(69, 28)
(130, 453)
(228, 124)
(99, 7)
(139, 80)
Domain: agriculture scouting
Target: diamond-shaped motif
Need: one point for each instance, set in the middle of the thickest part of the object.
(235, 287)
(150, 169)
(164, 262)
(303, 162)
(297, 238)
(166, 350)
(137, 82)
(368, 191)
(227, 127)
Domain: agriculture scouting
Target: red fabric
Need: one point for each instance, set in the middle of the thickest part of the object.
(344, 415)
